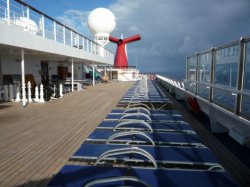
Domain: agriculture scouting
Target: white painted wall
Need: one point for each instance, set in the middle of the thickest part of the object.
(11, 64)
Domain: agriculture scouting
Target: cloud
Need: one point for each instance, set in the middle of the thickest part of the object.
(76, 19)
(172, 29)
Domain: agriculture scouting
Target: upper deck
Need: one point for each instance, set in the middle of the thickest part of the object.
(24, 27)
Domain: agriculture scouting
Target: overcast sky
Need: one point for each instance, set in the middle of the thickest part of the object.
(170, 29)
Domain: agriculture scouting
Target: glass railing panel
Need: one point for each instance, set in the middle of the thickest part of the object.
(75, 40)
(226, 66)
(49, 28)
(245, 107)
(67, 37)
(224, 98)
(3, 9)
(80, 42)
(190, 86)
(36, 28)
(59, 33)
(16, 10)
(192, 61)
(203, 91)
(204, 67)
(247, 69)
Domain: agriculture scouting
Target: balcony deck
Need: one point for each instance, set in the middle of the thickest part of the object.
(36, 141)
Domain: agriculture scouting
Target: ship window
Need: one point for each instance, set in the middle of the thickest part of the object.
(226, 66)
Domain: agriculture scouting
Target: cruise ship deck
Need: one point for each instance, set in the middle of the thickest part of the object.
(38, 140)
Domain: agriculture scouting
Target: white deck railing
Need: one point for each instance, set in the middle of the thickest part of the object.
(18, 13)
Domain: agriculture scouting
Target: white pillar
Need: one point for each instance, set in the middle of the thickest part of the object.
(18, 99)
(60, 90)
(36, 94)
(72, 74)
(93, 71)
(11, 92)
(29, 92)
(24, 100)
(41, 100)
(54, 89)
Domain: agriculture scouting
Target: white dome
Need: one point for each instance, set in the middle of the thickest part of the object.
(101, 20)
(28, 25)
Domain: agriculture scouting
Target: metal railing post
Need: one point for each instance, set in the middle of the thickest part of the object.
(91, 47)
(87, 45)
(8, 11)
(72, 75)
(83, 44)
(54, 30)
(28, 12)
(240, 77)
(197, 74)
(187, 73)
(71, 38)
(212, 74)
(78, 42)
(64, 39)
(43, 26)
(93, 73)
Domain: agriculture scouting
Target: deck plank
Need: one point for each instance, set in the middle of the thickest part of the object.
(36, 141)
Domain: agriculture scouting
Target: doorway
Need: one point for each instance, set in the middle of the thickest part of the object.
(44, 73)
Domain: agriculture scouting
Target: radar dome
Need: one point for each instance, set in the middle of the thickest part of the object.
(28, 25)
(101, 21)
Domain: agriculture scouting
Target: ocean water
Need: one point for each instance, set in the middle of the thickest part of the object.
(176, 75)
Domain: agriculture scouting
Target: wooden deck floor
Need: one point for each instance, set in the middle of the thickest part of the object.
(36, 141)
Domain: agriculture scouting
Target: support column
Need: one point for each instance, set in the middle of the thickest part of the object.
(93, 71)
(72, 74)
(23, 79)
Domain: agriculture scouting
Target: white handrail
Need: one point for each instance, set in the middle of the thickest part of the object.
(122, 151)
(133, 122)
(115, 179)
(135, 114)
(129, 133)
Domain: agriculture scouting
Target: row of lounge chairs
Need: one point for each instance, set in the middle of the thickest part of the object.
(143, 144)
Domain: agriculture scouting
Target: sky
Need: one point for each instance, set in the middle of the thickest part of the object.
(170, 29)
